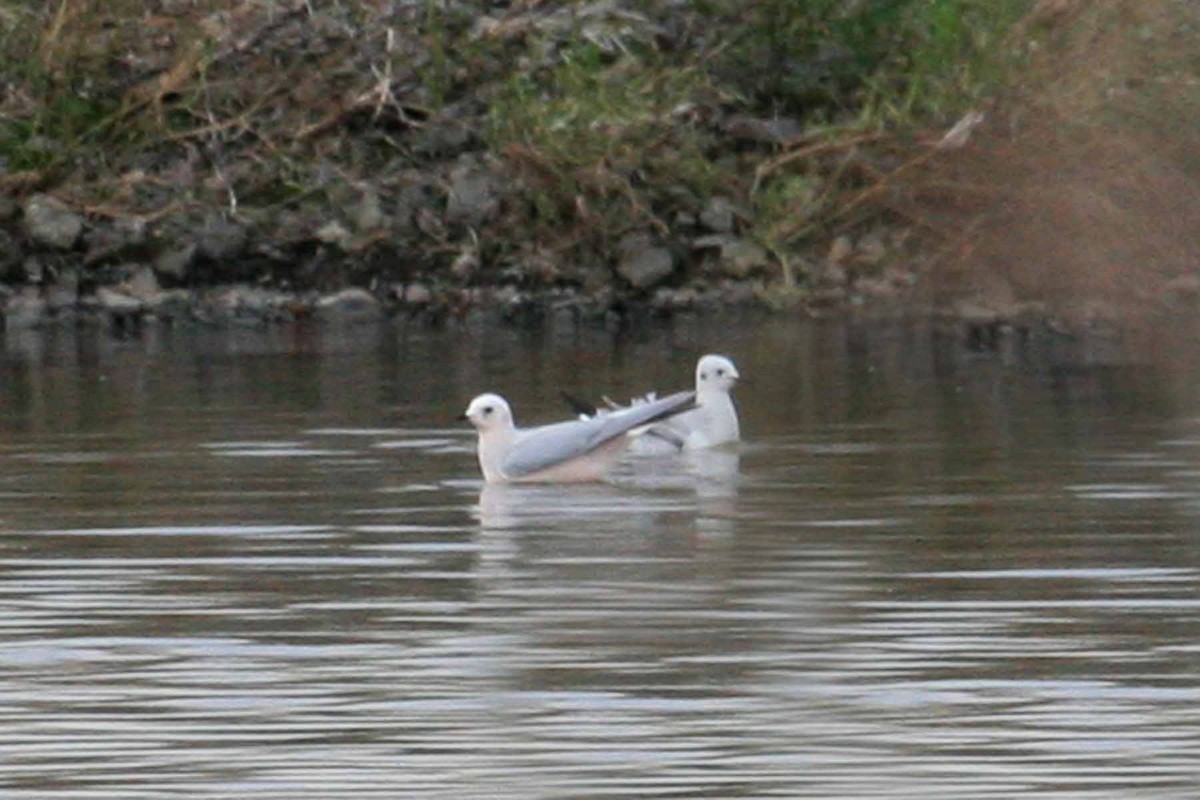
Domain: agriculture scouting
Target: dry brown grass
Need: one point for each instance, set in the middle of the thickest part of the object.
(1084, 189)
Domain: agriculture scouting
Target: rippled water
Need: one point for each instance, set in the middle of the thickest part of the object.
(263, 566)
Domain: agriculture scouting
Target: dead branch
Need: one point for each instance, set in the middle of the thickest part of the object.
(820, 148)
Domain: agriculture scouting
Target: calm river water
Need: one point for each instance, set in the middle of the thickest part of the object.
(262, 565)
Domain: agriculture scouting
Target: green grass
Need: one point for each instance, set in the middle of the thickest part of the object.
(600, 129)
(61, 111)
(834, 60)
(599, 144)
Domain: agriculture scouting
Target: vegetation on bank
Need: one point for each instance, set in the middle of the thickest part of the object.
(474, 143)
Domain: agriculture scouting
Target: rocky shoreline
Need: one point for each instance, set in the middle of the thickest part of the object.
(80, 271)
(75, 268)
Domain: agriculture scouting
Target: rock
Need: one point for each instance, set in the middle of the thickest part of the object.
(987, 296)
(974, 313)
(1091, 315)
(714, 241)
(33, 269)
(736, 258)
(418, 192)
(718, 216)
(506, 296)
(465, 264)
(544, 266)
(778, 130)
(643, 263)
(295, 226)
(222, 240)
(671, 300)
(333, 232)
(739, 293)
(352, 304)
(50, 223)
(415, 294)
(8, 206)
(740, 258)
(246, 303)
(144, 285)
(1182, 290)
(172, 304)
(113, 241)
(473, 199)
(367, 215)
(684, 219)
(117, 303)
(443, 137)
(125, 313)
(176, 264)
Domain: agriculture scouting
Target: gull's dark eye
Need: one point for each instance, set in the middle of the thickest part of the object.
(487, 410)
(720, 371)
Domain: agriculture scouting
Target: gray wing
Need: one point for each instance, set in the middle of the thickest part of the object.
(541, 448)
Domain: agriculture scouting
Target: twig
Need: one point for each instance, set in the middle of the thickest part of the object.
(881, 185)
(215, 127)
(56, 29)
(113, 212)
(18, 182)
(767, 167)
(861, 198)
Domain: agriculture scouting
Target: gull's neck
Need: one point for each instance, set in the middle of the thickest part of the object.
(720, 415)
(494, 445)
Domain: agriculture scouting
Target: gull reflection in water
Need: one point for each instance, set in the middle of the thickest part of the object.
(703, 482)
(717, 473)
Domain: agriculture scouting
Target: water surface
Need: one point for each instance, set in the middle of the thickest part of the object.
(262, 565)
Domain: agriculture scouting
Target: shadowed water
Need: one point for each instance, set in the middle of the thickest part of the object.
(264, 566)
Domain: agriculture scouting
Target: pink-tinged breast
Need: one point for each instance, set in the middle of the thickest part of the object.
(591, 466)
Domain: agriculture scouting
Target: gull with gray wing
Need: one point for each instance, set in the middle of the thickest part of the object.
(713, 421)
(571, 451)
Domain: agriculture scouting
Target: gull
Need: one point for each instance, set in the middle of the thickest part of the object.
(713, 422)
(571, 451)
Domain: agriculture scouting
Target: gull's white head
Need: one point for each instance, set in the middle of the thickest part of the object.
(489, 412)
(715, 373)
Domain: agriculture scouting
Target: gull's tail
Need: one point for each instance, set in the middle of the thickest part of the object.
(618, 423)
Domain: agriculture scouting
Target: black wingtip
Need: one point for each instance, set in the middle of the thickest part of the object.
(683, 401)
(578, 404)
